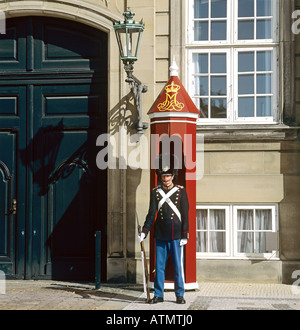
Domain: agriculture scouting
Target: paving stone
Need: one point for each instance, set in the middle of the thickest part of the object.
(58, 295)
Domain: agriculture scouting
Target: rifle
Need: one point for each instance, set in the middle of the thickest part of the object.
(145, 268)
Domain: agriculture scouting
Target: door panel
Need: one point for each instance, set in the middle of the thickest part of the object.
(13, 101)
(67, 185)
(13, 47)
(66, 47)
(7, 166)
(69, 101)
(71, 215)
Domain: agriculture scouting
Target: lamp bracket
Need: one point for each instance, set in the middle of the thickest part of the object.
(137, 88)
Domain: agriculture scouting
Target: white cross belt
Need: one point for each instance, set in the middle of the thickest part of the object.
(166, 198)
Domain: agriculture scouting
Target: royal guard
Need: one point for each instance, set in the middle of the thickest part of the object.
(169, 207)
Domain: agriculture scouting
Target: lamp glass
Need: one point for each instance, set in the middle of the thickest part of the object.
(129, 37)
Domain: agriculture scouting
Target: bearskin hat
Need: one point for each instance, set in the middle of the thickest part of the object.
(167, 164)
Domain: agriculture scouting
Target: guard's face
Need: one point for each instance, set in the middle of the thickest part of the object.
(166, 179)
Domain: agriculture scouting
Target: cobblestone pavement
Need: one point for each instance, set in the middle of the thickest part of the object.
(57, 295)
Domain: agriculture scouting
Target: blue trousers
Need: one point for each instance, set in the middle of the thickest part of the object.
(163, 249)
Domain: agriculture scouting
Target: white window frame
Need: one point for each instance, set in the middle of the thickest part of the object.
(231, 47)
(274, 94)
(275, 26)
(232, 29)
(228, 79)
(227, 231)
(231, 232)
(273, 208)
(190, 27)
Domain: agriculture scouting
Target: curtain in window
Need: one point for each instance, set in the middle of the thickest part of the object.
(211, 235)
(263, 221)
(245, 242)
(252, 226)
(202, 235)
(217, 238)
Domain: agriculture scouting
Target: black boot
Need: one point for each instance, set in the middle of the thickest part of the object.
(180, 300)
(156, 300)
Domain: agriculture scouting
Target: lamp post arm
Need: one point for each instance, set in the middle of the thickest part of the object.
(137, 88)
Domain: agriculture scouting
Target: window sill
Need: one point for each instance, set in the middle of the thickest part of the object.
(247, 132)
(254, 259)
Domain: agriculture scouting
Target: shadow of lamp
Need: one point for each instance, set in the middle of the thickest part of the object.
(129, 36)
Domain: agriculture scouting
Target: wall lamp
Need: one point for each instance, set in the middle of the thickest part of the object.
(129, 36)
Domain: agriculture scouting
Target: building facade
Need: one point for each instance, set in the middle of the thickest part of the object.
(64, 103)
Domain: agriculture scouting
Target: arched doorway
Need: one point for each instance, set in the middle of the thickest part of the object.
(53, 105)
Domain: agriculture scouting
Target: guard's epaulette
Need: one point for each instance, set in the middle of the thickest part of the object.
(155, 188)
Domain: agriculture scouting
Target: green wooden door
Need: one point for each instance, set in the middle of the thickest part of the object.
(53, 105)
(12, 104)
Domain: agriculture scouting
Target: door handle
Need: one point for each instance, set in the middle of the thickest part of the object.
(13, 210)
(14, 207)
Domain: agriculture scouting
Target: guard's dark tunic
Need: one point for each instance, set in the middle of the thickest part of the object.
(168, 225)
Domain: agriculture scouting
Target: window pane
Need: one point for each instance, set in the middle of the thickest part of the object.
(264, 7)
(245, 220)
(264, 84)
(201, 31)
(264, 106)
(246, 84)
(202, 219)
(264, 29)
(218, 30)
(246, 107)
(201, 241)
(263, 219)
(246, 8)
(204, 106)
(260, 243)
(201, 86)
(200, 63)
(218, 63)
(246, 62)
(217, 242)
(218, 8)
(202, 103)
(211, 237)
(218, 108)
(264, 61)
(201, 8)
(218, 86)
(217, 219)
(246, 30)
(245, 242)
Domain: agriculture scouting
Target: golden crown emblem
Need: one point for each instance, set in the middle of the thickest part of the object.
(171, 103)
(172, 88)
